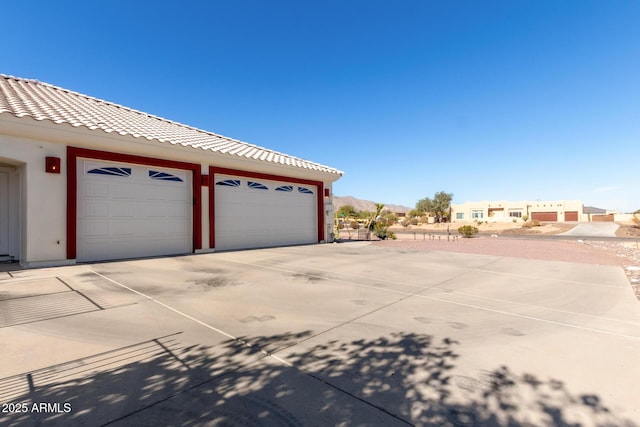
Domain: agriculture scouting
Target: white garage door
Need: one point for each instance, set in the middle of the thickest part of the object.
(127, 210)
(253, 213)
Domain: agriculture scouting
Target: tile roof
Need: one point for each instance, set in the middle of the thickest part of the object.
(42, 101)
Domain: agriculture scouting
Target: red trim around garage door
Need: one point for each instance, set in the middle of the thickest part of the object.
(224, 171)
(72, 186)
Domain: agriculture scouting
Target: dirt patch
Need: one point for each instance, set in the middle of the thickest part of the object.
(507, 228)
(623, 254)
(628, 230)
(545, 228)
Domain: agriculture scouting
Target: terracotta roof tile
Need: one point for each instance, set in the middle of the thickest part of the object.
(42, 101)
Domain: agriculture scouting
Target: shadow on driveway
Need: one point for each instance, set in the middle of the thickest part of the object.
(393, 380)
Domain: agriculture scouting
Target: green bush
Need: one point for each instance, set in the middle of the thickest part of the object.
(468, 231)
(382, 231)
(355, 225)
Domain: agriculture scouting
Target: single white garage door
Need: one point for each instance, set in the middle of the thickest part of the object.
(127, 211)
(254, 213)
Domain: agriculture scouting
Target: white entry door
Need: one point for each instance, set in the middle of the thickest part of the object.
(253, 213)
(127, 210)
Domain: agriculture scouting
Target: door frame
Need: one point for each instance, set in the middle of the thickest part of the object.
(14, 223)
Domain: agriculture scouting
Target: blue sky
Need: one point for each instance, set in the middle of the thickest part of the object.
(484, 99)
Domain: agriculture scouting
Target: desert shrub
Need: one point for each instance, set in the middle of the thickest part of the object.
(414, 221)
(468, 231)
(355, 225)
(340, 226)
(389, 217)
(636, 219)
(525, 218)
(382, 231)
(515, 220)
(532, 223)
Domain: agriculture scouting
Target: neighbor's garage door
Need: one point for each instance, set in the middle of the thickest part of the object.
(602, 218)
(544, 216)
(253, 213)
(571, 216)
(127, 210)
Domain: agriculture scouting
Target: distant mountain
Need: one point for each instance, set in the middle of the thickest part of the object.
(365, 205)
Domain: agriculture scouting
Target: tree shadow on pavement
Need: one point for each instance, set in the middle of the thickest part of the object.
(397, 379)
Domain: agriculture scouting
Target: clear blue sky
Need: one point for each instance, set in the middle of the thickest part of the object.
(484, 99)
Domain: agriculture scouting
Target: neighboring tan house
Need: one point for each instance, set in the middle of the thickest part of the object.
(496, 211)
(592, 213)
(82, 179)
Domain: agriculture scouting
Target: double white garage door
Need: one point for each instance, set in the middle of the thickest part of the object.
(253, 213)
(127, 210)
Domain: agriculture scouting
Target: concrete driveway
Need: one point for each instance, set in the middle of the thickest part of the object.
(593, 229)
(348, 334)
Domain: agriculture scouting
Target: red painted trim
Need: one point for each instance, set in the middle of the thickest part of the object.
(247, 174)
(320, 207)
(72, 186)
(212, 207)
(72, 203)
(260, 175)
(204, 180)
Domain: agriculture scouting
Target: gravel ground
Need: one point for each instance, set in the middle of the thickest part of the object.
(623, 254)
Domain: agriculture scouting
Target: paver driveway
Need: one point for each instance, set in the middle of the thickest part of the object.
(348, 334)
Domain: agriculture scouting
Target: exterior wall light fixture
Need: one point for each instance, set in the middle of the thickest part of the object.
(52, 165)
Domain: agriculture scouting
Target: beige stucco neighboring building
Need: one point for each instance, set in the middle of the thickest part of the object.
(495, 211)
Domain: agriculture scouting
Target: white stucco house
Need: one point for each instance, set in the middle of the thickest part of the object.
(504, 210)
(82, 179)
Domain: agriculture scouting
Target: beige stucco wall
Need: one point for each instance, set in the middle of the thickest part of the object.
(504, 206)
(43, 209)
(24, 144)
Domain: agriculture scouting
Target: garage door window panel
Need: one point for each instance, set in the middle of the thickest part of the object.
(229, 183)
(163, 176)
(113, 171)
(257, 185)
